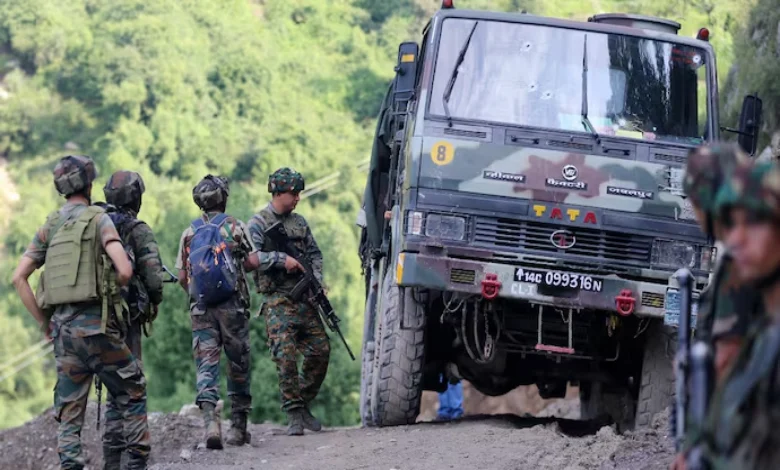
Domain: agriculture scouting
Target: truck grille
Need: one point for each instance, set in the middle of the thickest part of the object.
(606, 246)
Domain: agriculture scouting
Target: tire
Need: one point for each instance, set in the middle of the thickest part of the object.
(656, 390)
(399, 354)
(367, 356)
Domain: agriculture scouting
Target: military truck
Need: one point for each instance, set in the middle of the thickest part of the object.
(523, 215)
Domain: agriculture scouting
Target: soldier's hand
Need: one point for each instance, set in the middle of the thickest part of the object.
(291, 264)
(679, 462)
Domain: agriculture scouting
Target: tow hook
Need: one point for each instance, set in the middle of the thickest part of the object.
(490, 286)
(625, 302)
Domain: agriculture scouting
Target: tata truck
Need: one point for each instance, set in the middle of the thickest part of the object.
(524, 216)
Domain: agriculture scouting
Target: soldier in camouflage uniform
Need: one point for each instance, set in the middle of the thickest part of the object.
(144, 293)
(744, 413)
(224, 326)
(724, 304)
(86, 331)
(292, 327)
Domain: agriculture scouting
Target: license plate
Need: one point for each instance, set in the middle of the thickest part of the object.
(559, 279)
(672, 314)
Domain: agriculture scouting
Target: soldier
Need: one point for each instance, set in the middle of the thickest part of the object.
(224, 324)
(725, 304)
(80, 292)
(726, 301)
(744, 414)
(143, 294)
(292, 327)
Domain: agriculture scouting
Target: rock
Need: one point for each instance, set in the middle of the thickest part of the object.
(185, 455)
(190, 409)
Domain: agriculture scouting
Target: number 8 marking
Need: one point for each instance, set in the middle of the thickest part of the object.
(442, 153)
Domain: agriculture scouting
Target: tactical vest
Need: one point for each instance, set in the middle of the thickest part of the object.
(78, 270)
(277, 279)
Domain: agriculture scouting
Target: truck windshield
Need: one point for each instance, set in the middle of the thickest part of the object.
(532, 75)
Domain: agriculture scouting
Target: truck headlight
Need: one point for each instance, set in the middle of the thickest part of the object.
(673, 254)
(448, 227)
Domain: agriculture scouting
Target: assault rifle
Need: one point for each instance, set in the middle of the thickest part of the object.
(307, 288)
(693, 376)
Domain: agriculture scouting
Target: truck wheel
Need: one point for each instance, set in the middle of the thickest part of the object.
(399, 349)
(597, 403)
(656, 391)
(367, 356)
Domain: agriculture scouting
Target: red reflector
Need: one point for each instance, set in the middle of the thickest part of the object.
(447, 4)
(703, 35)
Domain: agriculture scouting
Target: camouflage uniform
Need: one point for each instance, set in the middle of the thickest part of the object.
(724, 298)
(83, 346)
(744, 413)
(144, 293)
(291, 326)
(224, 326)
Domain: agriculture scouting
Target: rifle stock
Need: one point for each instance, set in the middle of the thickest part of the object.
(308, 287)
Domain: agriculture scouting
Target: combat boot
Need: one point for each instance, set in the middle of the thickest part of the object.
(309, 421)
(295, 420)
(213, 426)
(237, 434)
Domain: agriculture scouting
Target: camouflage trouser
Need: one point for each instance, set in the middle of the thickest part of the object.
(113, 437)
(224, 326)
(292, 328)
(108, 357)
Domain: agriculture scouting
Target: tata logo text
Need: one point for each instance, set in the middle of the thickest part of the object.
(557, 213)
(563, 239)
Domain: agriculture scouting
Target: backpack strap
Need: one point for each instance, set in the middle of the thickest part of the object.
(197, 223)
(219, 219)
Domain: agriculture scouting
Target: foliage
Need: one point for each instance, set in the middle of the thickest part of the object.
(176, 89)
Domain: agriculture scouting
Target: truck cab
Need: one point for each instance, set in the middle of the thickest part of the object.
(524, 216)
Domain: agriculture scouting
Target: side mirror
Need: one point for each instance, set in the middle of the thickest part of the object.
(750, 123)
(406, 70)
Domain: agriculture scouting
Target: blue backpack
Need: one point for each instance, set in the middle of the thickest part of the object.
(213, 274)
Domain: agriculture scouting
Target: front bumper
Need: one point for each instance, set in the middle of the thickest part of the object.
(605, 293)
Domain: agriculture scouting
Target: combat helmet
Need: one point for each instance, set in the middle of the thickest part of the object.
(211, 191)
(706, 169)
(284, 180)
(73, 174)
(755, 187)
(124, 189)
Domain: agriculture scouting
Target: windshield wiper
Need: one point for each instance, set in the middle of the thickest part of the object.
(585, 121)
(451, 83)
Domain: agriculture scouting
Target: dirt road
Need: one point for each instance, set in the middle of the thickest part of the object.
(477, 442)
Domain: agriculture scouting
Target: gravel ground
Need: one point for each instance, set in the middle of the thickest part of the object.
(485, 442)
